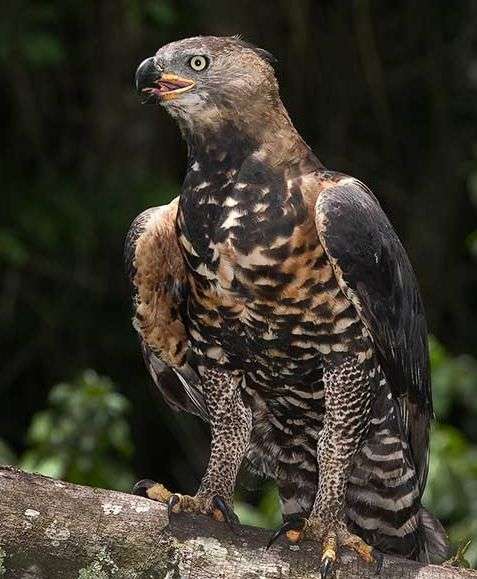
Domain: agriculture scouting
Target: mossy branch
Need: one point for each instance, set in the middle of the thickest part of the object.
(55, 530)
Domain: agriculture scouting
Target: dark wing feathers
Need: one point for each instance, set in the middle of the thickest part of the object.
(374, 272)
(180, 387)
(179, 384)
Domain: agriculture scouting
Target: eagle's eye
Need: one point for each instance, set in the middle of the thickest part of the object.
(198, 63)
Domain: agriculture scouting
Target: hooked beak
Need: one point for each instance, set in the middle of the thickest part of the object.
(151, 81)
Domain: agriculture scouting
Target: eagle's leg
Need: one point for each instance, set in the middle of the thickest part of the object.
(349, 382)
(231, 425)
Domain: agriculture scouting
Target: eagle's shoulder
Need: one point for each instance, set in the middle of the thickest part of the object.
(312, 185)
(151, 240)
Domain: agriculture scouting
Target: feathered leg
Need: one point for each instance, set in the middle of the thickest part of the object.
(349, 384)
(230, 424)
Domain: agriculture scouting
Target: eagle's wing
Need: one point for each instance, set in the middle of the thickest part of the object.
(156, 272)
(375, 274)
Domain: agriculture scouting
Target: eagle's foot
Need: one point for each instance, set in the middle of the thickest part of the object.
(202, 503)
(331, 537)
(207, 504)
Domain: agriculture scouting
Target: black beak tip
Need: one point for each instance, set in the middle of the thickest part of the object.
(147, 74)
(136, 80)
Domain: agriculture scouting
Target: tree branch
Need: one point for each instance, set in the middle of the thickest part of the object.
(51, 529)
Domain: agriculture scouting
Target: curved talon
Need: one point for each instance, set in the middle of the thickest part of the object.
(326, 567)
(171, 503)
(379, 558)
(229, 516)
(293, 524)
(142, 486)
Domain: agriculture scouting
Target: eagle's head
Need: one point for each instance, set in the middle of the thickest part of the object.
(208, 79)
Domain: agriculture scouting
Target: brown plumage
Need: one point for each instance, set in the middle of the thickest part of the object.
(275, 300)
(158, 266)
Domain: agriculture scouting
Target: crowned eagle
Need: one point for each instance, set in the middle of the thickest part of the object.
(274, 299)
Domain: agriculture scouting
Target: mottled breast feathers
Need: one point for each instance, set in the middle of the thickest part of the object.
(368, 264)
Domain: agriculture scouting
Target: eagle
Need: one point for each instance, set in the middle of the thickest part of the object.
(273, 299)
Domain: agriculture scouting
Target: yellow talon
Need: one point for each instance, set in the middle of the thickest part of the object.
(329, 554)
(366, 554)
(158, 492)
(361, 548)
(217, 515)
(329, 548)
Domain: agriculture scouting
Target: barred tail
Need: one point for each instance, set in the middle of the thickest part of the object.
(384, 496)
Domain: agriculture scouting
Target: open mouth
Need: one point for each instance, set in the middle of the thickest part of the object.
(169, 86)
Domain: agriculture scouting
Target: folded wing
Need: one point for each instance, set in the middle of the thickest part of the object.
(159, 290)
(374, 272)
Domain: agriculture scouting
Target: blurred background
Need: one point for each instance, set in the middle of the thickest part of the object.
(382, 90)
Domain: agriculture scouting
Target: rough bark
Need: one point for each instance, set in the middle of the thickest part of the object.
(51, 529)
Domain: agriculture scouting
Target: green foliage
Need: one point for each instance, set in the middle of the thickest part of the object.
(82, 436)
(451, 491)
(266, 514)
(454, 383)
(7, 456)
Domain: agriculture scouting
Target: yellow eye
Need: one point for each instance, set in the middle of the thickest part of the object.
(198, 63)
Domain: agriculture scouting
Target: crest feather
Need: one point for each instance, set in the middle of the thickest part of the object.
(261, 52)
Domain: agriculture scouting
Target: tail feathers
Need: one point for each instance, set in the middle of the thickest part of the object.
(435, 544)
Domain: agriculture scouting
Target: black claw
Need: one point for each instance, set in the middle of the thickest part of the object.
(140, 488)
(171, 503)
(379, 558)
(293, 524)
(230, 517)
(326, 567)
(278, 533)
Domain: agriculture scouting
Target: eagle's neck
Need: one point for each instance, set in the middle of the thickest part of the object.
(222, 141)
(244, 162)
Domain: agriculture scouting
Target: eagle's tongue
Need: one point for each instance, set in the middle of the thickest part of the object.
(165, 86)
